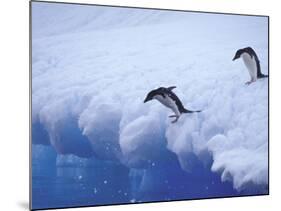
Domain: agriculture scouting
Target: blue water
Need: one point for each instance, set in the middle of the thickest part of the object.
(60, 182)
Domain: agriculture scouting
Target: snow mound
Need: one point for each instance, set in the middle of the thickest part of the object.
(142, 140)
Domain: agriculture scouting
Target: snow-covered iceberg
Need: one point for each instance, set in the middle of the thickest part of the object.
(93, 66)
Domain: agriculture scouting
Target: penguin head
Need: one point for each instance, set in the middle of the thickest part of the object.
(161, 91)
(238, 54)
(149, 96)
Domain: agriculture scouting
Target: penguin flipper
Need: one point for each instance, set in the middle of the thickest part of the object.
(163, 95)
(170, 88)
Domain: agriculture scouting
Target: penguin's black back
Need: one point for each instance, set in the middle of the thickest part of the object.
(174, 97)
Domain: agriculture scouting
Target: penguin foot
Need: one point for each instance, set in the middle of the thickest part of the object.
(176, 119)
(173, 116)
(251, 81)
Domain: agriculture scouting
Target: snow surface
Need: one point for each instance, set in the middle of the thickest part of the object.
(93, 66)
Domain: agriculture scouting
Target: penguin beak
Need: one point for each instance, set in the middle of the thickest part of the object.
(235, 57)
(146, 99)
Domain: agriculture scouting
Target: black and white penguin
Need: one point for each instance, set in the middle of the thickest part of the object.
(169, 99)
(252, 63)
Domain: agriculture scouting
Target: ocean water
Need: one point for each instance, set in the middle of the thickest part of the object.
(73, 182)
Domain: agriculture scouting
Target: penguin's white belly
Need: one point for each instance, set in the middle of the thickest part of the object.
(251, 65)
(168, 102)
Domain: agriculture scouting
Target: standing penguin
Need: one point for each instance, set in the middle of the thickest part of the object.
(169, 99)
(252, 63)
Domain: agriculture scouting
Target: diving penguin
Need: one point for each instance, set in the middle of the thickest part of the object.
(252, 63)
(169, 99)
